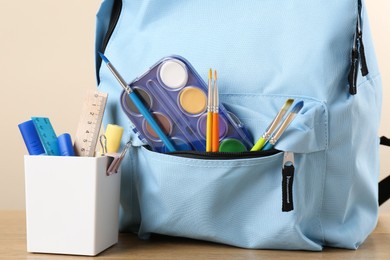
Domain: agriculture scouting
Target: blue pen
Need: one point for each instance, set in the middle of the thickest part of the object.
(290, 117)
(141, 107)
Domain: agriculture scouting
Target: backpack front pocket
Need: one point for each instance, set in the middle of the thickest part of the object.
(237, 200)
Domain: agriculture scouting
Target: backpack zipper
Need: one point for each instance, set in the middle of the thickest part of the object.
(115, 14)
(358, 54)
(223, 155)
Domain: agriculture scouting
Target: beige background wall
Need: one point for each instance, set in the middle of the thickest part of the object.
(47, 65)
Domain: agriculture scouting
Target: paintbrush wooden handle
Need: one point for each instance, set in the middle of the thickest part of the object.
(215, 134)
(209, 131)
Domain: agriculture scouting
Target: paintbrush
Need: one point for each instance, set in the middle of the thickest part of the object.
(215, 125)
(138, 103)
(271, 128)
(290, 117)
(209, 124)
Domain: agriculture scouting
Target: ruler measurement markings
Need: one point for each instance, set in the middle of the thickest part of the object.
(47, 135)
(90, 123)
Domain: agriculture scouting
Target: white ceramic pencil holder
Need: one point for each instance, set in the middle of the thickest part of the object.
(72, 205)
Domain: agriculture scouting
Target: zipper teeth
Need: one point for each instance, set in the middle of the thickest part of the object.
(223, 155)
(358, 54)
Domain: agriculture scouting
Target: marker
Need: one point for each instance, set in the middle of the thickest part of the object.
(290, 117)
(65, 145)
(31, 138)
(138, 103)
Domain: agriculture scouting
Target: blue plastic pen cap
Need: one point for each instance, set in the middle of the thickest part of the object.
(31, 138)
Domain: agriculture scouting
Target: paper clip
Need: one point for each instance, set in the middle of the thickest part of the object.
(114, 166)
(103, 144)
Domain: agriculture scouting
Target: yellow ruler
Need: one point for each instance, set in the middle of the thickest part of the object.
(90, 122)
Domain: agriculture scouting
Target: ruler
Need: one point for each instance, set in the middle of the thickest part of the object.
(90, 122)
(47, 135)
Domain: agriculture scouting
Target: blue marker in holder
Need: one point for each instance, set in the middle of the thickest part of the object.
(65, 145)
(31, 138)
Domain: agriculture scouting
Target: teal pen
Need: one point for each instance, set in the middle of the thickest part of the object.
(141, 107)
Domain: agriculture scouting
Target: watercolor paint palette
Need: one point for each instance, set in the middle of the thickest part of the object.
(177, 98)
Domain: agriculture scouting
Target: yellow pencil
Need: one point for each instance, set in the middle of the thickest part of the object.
(209, 124)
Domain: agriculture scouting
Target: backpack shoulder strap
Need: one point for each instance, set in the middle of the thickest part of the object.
(384, 185)
(385, 141)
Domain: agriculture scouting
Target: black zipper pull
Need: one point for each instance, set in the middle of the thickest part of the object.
(352, 76)
(287, 182)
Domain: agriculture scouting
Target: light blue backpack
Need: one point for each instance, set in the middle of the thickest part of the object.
(265, 52)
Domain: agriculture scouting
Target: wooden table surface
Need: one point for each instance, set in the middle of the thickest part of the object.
(13, 246)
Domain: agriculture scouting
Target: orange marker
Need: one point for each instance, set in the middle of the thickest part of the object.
(215, 126)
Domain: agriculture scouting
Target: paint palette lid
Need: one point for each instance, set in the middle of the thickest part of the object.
(176, 96)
